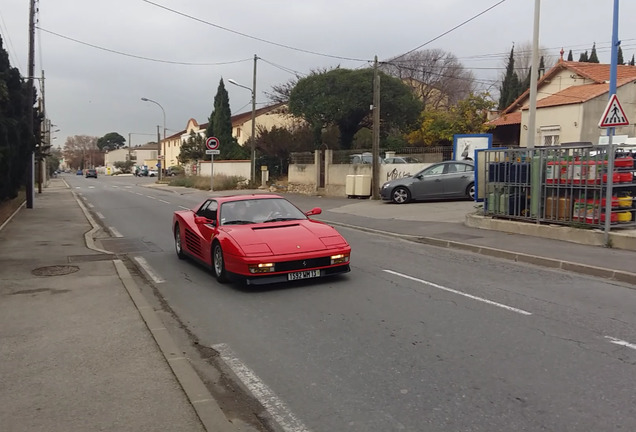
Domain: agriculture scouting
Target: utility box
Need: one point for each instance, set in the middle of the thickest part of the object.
(362, 185)
(350, 186)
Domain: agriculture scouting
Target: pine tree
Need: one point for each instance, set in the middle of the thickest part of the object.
(632, 61)
(220, 126)
(593, 57)
(570, 56)
(509, 90)
(621, 60)
(583, 57)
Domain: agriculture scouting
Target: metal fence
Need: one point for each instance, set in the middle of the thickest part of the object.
(559, 185)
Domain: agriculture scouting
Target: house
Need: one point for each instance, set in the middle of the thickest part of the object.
(266, 118)
(571, 98)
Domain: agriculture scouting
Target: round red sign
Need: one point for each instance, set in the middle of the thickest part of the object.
(212, 143)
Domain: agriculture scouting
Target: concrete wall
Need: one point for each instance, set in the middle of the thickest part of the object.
(303, 178)
(240, 168)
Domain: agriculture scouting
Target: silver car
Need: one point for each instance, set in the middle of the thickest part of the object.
(450, 179)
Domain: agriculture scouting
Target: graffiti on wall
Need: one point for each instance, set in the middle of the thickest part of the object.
(395, 174)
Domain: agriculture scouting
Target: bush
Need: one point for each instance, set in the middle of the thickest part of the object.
(221, 182)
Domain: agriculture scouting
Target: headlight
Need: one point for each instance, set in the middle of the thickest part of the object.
(339, 259)
(262, 268)
(385, 185)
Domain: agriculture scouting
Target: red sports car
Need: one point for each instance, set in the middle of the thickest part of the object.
(260, 239)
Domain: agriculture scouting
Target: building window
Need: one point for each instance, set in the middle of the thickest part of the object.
(238, 132)
(550, 135)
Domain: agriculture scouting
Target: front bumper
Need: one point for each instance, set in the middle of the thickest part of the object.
(282, 277)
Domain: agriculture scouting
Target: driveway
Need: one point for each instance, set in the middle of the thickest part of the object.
(425, 211)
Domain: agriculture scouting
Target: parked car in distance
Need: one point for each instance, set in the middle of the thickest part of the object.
(91, 172)
(364, 158)
(259, 239)
(450, 179)
(174, 170)
(401, 160)
(153, 173)
(79, 172)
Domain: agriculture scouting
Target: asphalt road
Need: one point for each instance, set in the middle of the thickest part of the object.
(415, 338)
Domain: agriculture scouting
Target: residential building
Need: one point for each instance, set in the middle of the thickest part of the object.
(571, 98)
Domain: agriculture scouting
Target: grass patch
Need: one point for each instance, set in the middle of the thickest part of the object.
(221, 182)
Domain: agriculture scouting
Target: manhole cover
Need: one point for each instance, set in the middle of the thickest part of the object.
(57, 270)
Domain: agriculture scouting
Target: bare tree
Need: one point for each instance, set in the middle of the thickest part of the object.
(81, 151)
(523, 60)
(438, 77)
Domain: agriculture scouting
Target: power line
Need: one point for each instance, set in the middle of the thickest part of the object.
(283, 68)
(253, 37)
(12, 51)
(451, 30)
(142, 57)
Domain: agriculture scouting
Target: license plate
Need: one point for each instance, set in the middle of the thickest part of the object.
(303, 275)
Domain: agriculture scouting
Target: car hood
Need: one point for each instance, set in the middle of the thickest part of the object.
(284, 238)
(403, 181)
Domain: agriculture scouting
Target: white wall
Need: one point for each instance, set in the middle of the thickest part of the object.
(229, 168)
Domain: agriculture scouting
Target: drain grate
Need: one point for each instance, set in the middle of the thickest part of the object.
(56, 270)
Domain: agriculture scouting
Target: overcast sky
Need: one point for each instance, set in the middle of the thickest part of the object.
(100, 57)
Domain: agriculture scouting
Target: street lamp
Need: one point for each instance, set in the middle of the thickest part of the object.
(164, 135)
(253, 141)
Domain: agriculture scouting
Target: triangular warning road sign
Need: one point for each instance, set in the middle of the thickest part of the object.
(613, 115)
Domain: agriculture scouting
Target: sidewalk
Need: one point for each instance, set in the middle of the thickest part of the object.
(81, 349)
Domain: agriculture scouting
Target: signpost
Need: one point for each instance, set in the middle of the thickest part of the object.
(613, 116)
(212, 148)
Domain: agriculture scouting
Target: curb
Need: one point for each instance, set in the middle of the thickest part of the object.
(209, 412)
(585, 269)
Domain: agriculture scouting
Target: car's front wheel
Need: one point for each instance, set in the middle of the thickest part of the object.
(400, 195)
(177, 242)
(218, 263)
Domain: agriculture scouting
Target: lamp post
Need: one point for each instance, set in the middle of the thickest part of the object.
(253, 141)
(164, 135)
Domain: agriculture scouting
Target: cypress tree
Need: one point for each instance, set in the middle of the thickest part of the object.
(220, 126)
(570, 56)
(509, 90)
(632, 62)
(583, 57)
(593, 57)
(621, 60)
(541, 67)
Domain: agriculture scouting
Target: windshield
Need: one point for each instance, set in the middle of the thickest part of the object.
(261, 210)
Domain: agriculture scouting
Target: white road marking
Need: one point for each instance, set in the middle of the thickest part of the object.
(151, 197)
(164, 201)
(185, 208)
(79, 187)
(99, 215)
(91, 205)
(621, 342)
(128, 187)
(276, 407)
(115, 186)
(93, 187)
(434, 285)
(141, 193)
(115, 232)
(149, 270)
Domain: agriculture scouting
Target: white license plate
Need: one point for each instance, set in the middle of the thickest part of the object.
(303, 275)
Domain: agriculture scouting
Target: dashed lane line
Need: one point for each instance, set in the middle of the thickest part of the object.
(470, 296)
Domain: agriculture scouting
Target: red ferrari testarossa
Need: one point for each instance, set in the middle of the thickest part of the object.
(259, 239)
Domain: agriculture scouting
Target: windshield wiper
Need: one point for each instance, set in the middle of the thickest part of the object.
(238, 222)
(281, 219)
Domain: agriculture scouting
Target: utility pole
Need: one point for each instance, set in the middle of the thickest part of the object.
(31, 143)
(375, 179)
(159, 153)
(532, 118)
(253, 173)
(45, 139)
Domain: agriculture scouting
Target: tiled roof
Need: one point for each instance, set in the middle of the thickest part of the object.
(597, 72)
(507, 119)
(241, 118)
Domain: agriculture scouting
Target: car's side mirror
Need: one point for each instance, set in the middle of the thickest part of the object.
(200, 220)
(314, 211)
